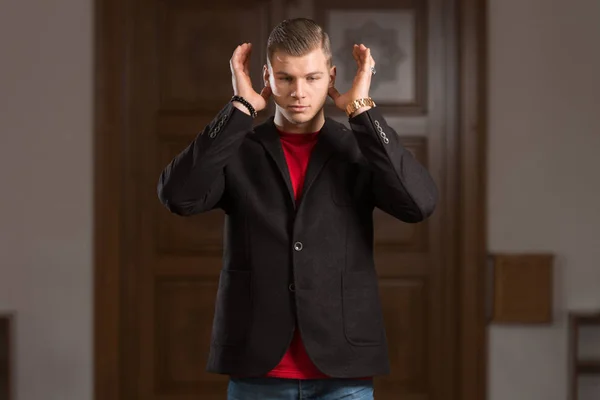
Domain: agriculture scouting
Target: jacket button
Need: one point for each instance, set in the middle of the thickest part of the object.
(292, 287)
(298, 246)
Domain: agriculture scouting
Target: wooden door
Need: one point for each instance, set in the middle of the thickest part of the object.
(177, 78)
(407, 43)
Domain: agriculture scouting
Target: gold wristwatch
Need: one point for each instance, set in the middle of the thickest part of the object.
(358, 103)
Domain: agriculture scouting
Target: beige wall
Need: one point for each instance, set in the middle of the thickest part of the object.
(544, 193)
(46, 193)
(544, 140)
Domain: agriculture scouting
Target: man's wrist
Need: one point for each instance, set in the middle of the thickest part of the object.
(360, 111)
(359, 105)
(245, 105)
(241, 107)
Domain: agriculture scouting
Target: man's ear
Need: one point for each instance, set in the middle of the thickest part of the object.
(266, 75)
(332, 75)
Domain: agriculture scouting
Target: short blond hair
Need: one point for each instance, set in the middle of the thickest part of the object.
(298, 37)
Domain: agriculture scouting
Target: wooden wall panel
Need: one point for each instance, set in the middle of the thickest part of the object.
(405, 305)
(191, 38)
(184, 312)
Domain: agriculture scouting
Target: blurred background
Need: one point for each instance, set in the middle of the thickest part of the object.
(541, 97)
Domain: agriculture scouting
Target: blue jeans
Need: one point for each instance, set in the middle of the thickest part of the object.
(295, 389)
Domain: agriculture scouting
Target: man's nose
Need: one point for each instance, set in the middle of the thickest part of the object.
(298, 89)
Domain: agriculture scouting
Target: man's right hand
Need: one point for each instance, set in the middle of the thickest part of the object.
(242, 84)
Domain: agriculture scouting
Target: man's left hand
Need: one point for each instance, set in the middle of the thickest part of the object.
(362, 80)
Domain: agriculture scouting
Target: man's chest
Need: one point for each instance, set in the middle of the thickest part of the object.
(279, 181)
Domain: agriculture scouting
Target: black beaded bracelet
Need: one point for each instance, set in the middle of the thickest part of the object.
(245, 102)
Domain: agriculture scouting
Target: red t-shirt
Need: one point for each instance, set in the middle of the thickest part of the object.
(297, 148)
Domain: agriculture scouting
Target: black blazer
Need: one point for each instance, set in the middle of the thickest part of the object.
(307, 266)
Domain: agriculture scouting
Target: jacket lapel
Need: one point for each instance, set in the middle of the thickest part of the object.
(267, 134)
(320, 155)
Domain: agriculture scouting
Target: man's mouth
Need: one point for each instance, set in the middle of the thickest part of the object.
(298, 108)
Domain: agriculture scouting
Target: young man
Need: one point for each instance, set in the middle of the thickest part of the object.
(297, 311)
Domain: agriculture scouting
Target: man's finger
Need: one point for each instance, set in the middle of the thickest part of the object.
(361, 52)
(366, 64)
(234, 57)
(247, 60)
(355, 55)
(370, 59)
(362, 58)
(333, 93)
(248, 52)
(240, 56)
(366, 56)
(266, 92)
(243, 53)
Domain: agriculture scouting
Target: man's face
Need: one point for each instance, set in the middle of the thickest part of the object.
(299, 84)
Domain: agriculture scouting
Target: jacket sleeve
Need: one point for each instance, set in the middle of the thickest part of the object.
(194, 181)
(401, 186)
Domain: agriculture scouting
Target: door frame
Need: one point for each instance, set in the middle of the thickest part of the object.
(112, 37)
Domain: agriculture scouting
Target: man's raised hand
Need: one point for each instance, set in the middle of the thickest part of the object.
(362, 80)
(240, 79)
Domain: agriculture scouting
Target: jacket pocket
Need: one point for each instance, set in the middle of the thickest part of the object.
(363, 320)
(233, 308)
